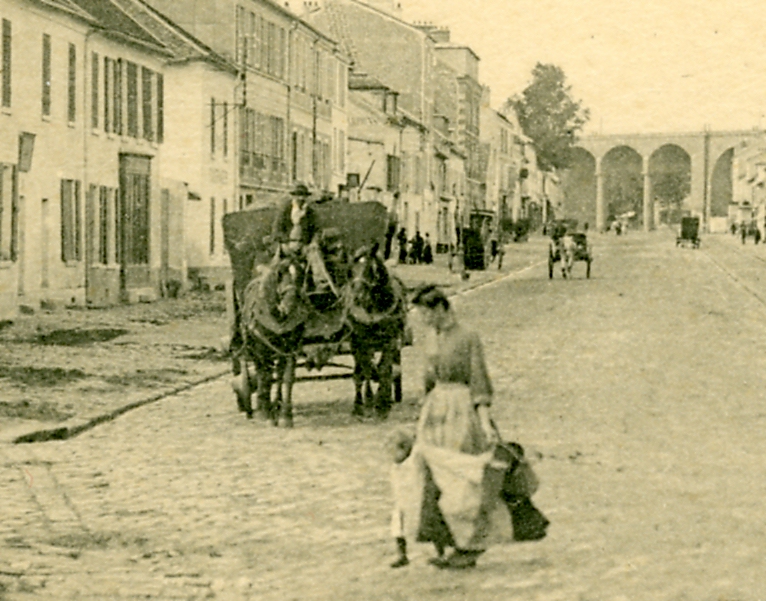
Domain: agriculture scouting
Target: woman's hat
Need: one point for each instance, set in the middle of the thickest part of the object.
(430, 295)
(300, 190)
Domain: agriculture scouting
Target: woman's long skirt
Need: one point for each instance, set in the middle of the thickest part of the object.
(456, 481)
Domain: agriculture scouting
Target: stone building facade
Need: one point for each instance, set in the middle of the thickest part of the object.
(88, 215)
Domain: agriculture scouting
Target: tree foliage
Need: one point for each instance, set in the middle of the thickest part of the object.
(623, 183)
(549, 116)
(671, 182)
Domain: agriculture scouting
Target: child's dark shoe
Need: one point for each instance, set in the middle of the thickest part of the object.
(401, 562)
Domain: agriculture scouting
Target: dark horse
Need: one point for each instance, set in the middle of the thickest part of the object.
(271, 320)
(376, 313)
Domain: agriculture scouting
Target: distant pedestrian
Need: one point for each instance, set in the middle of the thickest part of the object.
(417, 247)
(390, 233)
(757, 235)
(401, 238)
(743, 231)
(428, 253)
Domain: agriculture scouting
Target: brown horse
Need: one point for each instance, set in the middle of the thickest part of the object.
(376, 314)
(272, 316)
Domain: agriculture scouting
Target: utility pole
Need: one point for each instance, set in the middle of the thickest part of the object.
(239, 124)
(706, 175)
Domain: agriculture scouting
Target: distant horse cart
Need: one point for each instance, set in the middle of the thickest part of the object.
(567, 247)
(281, 321)
(689, 233)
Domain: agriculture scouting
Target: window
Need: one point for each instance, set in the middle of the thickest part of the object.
(6, 84)
(132, 74)
(46, 93)
(212, 126)
(70, 220)
(94, 88)
(225, 129)
(335, 148)
(160, 108)
(212, 226)
(327, 164)
(147, 80)
(263, 146)
(72, 85)
(241, 37)
(332, 80)
(276, 133)
(117, 90)
(103, 225)
(281, 51)
(8, 213)
(342, 73)
(392, 173)
(263, 42)
(108, 74)
(253, 50)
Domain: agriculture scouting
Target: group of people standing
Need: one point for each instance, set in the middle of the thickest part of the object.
(747, 229)
(415, 251)
(445, 489)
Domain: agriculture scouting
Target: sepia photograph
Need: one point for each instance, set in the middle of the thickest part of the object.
(382, 300)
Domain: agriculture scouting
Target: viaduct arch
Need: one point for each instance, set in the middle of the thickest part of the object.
(705, 150)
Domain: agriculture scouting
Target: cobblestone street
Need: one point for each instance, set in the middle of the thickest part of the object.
(638, 391)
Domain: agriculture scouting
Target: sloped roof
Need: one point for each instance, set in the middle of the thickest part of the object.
(138, 21)
(114, 19)
(365, 81)
(180, 42)
(69, 7)
(338, 29)
(454, 46)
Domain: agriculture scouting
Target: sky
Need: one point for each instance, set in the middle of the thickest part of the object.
(640, 66)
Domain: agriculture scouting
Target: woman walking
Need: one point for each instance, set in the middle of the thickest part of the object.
(454, 501)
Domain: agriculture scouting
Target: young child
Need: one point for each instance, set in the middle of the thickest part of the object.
(400, 446)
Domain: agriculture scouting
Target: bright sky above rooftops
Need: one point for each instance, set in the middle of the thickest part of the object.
(640, 66)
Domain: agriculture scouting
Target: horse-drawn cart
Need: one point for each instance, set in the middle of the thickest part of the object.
(689, 234)
(281, 321)
(566, 248)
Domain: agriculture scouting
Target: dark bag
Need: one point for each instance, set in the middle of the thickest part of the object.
(528, 522)
(520, 479)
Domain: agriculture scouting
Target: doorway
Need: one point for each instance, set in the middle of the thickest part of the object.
(133, 223)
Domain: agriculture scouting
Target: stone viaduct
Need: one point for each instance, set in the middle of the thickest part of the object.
(704, 149)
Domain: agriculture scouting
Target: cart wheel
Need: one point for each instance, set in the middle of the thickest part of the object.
(587, 269)
(243, 389)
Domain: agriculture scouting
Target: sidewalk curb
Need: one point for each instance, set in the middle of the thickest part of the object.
(77, 426)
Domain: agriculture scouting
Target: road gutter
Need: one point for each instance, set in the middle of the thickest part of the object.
(79, 425)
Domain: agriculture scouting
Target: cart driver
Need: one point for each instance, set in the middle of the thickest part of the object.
(296, 227)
